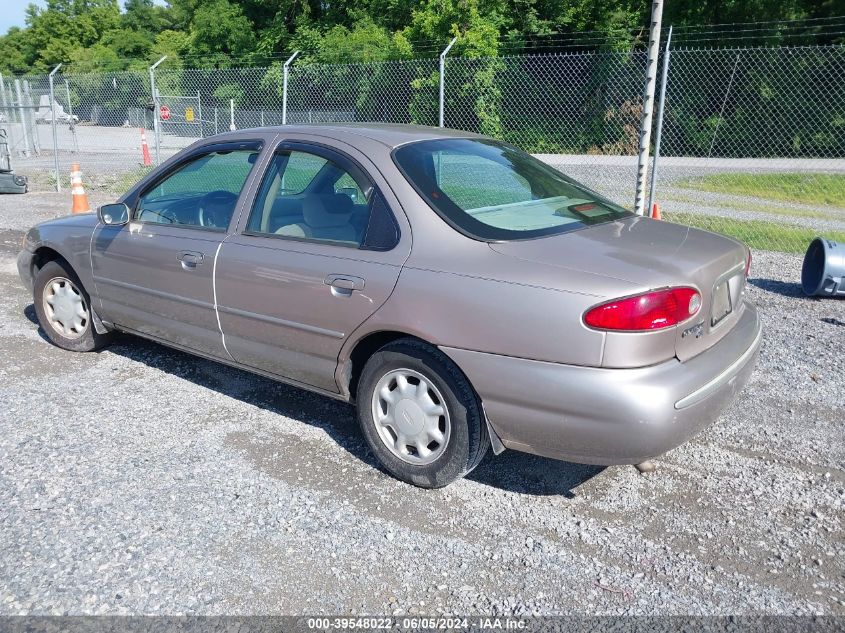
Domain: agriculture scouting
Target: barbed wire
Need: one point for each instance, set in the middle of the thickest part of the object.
(786, 21)
(715, 34)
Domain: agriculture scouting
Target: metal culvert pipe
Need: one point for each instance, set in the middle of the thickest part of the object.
(823, 271)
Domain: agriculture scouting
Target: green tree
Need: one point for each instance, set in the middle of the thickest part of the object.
(477, 23)
(219, 31)
(173, 44)
(364, 42)
(16, 51)
(144, 16)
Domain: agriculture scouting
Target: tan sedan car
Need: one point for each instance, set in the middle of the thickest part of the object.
(462, 293)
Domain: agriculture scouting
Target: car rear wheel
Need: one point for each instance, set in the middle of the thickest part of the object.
(64, 310)
(420, 415)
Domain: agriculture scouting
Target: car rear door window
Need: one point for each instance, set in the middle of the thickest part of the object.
(201, 193)
(300, 171)
(311, 197)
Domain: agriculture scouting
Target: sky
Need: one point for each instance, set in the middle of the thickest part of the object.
(14, 12)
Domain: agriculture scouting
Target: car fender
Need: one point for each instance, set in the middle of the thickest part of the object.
(70, 237)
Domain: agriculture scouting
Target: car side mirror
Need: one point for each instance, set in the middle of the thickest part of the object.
(113, 214)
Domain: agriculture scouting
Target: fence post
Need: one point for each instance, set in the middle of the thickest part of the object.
(72, 125)
(31, 119)
(9, 113)
(443, 78)
(659, 132)
(232, 126)
(199, 113)
(285, 70)
(154, 92)
(21, 116)
(53, 125)
(648, 104)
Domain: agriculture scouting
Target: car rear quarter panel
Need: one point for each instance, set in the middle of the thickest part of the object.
(456, 291)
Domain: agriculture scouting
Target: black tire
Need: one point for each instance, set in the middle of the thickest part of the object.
(86, 338)
(468, 439)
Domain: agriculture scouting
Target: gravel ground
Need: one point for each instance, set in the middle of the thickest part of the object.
(143, 480)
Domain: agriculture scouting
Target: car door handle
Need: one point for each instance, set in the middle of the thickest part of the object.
(343, 285)
(190, 259)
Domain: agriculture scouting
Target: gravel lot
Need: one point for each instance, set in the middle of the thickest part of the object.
(144, 480)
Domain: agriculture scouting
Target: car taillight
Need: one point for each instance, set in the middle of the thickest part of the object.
(649, 311)
(748, 263)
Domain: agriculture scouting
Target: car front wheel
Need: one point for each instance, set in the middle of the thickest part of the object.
(420, 415)
(64, 309)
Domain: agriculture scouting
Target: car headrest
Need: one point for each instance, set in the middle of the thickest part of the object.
(317, 215)
(340, 203)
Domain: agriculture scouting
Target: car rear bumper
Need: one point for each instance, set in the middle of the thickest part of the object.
(25, 268)
(610, 416)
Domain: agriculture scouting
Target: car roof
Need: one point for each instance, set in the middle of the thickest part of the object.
(389, 134)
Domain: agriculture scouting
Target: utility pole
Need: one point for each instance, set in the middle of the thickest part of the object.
(648, 104)
(660, 106)
(22, 116)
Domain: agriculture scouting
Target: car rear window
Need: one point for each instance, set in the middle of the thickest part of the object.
(495, 192)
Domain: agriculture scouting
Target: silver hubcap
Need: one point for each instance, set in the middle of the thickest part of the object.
(65, 308)
(411, 416)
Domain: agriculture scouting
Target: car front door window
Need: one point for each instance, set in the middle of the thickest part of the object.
(201, 193)
(155, 275)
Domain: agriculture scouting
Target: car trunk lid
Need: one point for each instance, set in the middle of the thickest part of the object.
(653, 254)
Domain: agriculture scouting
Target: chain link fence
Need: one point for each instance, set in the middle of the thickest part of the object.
(753, 144)
(394, 92)
(579, 111)
(753, 139)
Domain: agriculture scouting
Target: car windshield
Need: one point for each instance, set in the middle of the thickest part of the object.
(493, 191)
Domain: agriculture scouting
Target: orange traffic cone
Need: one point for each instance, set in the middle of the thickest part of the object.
(80, 200)
(655, 212)
(145, 149)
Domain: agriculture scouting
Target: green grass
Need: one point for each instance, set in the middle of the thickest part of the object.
(759, 207)
(821, 189)
(758, 234)
(122, 182)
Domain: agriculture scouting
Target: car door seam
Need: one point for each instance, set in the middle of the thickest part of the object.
(91, 263)
(214, 295)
